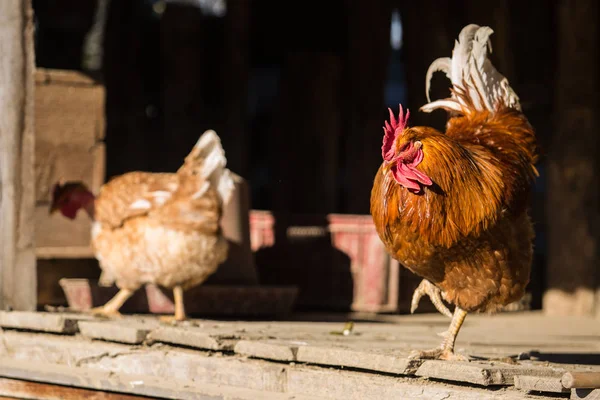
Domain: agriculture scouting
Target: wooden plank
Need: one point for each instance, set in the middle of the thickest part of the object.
(195, 337)
(381, 361)
(355, 385)
(52, 252)
(155, 387)
(271, 350)
(581, 380)
(67, 78)
(42, 322)
(23, 389)
(69, 113)
(127, 331)
(17, 141)
(70, 125)
(479, 373)
(539, 384)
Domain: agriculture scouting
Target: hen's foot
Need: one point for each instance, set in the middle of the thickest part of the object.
(179, 308)
(171, 319)
(437, 354)
(111, 309)
(105, 313)
(434, 293)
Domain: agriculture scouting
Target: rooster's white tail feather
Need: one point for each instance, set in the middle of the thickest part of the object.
(471, 72)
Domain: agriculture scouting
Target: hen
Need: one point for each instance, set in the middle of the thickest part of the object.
(160, 228)
(452, 207)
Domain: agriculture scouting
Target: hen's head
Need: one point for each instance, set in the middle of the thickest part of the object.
(69, 197)
(402, 152)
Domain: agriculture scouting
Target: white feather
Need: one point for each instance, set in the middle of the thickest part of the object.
(203, 189)
(141, 204)
(160, 196)
(470, 69)
(209, 149)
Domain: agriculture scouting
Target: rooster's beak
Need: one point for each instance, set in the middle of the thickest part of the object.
(387, 166)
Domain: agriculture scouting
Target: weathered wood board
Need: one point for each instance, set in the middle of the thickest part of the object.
(69, 120)
(17, 140)
(375, 348)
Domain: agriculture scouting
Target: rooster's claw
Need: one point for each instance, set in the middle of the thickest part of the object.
(434, 293)
(437, 354)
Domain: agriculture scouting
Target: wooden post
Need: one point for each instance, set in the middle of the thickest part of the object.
(17, 196)
(573, 165)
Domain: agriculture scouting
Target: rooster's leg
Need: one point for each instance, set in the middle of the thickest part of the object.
(446, 350)
(179, 307)
(111, 309)
(434, 293)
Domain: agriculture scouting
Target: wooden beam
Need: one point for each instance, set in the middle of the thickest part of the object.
(573, 166)
(17, 191)
(44, 391)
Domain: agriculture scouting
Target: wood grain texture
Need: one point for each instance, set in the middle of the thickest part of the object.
(17, 190)
(44, 391)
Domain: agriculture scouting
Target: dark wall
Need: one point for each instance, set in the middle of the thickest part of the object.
(297, 90)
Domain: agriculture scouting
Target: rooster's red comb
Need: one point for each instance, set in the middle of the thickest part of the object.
(391, 131)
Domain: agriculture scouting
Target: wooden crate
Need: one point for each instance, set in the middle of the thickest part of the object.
(69, 129)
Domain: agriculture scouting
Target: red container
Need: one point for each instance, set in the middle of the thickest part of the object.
(376, 275)
(262, 232)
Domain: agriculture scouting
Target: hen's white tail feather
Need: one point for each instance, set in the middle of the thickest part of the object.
(471, 72)
(209, 149)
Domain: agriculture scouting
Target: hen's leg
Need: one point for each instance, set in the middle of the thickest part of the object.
(179, 307)
(446, 350)
(111, 309)
(434, 293)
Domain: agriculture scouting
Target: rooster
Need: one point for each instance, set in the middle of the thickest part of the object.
(160, 228)
(453, 207)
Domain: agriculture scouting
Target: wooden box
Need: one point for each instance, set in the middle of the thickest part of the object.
(69, 129)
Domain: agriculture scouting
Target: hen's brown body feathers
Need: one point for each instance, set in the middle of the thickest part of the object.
(147, 229)
(161, 228)
(469, 232)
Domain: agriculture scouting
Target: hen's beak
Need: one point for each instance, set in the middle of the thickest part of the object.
(53, 209)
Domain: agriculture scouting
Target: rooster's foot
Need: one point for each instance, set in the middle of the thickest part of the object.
(104, 312)
(437, 354)
(434, 293)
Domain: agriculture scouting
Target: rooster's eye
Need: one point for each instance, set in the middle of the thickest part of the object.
(404, 147)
